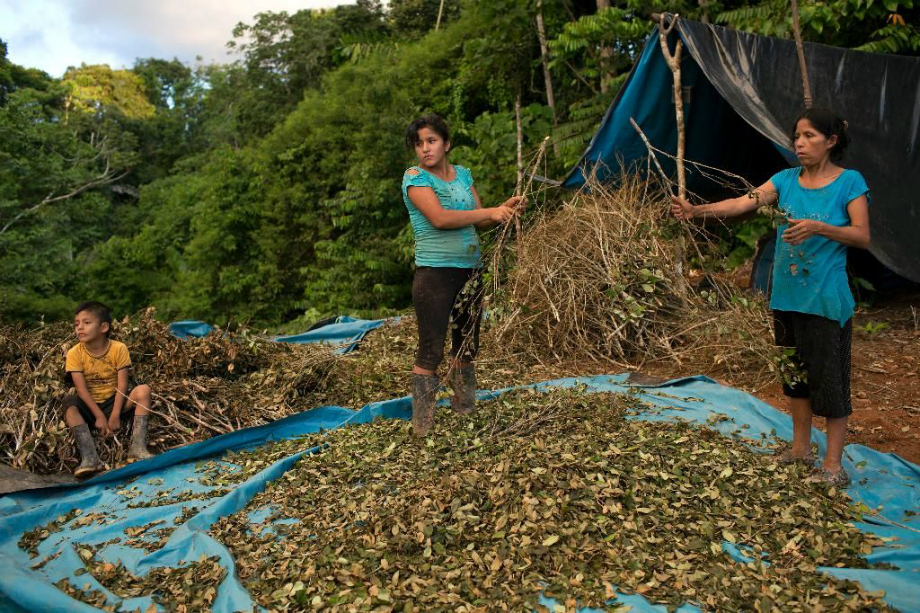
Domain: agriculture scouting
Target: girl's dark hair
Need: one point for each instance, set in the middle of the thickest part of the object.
(829, 123)
(431, 121)
(98, 309)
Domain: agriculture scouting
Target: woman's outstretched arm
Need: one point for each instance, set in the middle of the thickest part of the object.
(764, 195)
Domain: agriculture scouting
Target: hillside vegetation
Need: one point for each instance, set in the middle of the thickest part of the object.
(267, 189)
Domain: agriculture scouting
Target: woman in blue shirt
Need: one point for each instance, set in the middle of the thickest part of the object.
(445, 212)
(827, 210)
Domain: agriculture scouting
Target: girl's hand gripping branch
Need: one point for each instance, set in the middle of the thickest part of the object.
(518, 203)
(500, 214)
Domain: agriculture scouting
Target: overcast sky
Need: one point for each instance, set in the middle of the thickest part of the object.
(55, 34)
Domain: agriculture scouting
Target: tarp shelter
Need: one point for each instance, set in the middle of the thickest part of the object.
(743, 94)
(26, 584)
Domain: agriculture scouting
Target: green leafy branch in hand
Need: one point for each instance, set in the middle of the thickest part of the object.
(773, 212)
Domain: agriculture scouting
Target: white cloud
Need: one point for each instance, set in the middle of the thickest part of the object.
(54, 34)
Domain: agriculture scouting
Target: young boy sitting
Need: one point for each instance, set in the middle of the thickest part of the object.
(99, 369)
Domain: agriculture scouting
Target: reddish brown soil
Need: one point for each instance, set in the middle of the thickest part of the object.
(885, 379)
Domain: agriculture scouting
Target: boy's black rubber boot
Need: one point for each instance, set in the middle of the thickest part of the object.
(138, 449)
(90, 462)
(463, 382)
(424, 394)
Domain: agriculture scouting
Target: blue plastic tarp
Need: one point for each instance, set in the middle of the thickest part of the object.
(881, 481)
(715, 134)
(345, 333)
(742, 97)
(190, 327)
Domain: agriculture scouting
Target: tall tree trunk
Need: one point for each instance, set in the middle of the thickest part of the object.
(520, 144)
(437, 24)
(796, 30)
(544, 56)
(606, 54)
(547, 77)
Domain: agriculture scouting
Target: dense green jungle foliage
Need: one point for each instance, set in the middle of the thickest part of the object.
(267, 189)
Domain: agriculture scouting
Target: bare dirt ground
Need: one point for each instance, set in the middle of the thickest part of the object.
(885, 380)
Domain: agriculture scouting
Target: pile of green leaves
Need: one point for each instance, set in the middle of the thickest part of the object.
(185, 589)
(556, 493)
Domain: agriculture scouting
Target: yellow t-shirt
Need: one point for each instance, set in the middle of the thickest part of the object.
(100, 372)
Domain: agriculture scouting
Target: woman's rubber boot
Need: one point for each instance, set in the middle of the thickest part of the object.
(90, 462)
(138, 449)
(463, 382)
(424, 394)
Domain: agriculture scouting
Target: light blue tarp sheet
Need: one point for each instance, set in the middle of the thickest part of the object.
(345, 333)
(190, 327)
(880, 481)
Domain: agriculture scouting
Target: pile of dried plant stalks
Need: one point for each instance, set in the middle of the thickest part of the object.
(558, 493)
(601, 279)
(201, 387)
(381, 368)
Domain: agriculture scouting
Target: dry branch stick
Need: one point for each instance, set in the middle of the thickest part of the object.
(651, 152)
(681, 282)
(498, 245)
(104, 179)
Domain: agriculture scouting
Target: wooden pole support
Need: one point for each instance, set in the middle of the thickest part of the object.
(673, 62)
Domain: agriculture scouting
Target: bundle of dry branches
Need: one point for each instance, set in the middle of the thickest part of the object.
(201, 387)
(598, 279)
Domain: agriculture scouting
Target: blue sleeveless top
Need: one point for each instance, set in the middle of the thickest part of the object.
(812, 277)
(458, 248)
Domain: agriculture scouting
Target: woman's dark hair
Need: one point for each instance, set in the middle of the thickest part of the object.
(98, 309)
(829, 123)
(432, 122)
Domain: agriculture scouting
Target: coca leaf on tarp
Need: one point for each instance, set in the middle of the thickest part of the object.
(556, 492)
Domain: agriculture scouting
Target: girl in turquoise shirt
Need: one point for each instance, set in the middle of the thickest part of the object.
(445, 212)
(827, 210)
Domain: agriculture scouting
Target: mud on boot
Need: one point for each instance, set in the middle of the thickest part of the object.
(138, 449)
(424, 395)
(463, 381)
(90, 462)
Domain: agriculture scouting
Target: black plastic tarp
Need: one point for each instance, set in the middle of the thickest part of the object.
(759, 78)
(878, 95)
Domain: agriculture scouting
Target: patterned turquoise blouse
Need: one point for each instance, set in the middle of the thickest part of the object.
(458, 248)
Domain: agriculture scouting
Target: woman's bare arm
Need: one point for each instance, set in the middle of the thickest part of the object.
(733, 207)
